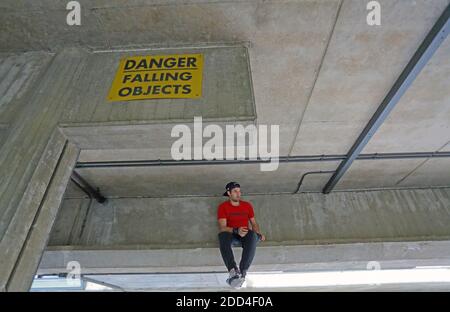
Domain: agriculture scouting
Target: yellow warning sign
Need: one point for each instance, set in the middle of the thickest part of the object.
(158, 77)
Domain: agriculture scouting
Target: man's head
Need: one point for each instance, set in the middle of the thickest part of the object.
(233, 191)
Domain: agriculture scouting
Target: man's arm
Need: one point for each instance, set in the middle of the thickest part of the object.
(256, 229)
(224, 228)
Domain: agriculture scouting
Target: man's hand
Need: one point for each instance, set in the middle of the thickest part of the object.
(263, 238)
(242, 231)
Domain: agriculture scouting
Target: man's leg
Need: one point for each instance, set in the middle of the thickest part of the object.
(226, 251)
(225, 239)
(248, 251)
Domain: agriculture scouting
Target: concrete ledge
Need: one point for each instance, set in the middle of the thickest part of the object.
(285, 258)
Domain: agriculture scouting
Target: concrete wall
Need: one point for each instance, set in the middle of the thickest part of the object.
(23, 134)
(288, 46)
(309, 218)
(39, 91)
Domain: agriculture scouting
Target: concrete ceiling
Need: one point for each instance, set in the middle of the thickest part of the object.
(319, 71)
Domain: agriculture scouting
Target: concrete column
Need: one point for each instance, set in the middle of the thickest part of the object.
(28, 160)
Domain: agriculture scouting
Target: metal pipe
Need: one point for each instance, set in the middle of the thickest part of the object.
(403, 155)
(282, 159)
(308, 173)
(426, 50)
(87, 188)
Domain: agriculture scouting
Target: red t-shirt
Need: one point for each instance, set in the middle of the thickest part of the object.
(237, 216)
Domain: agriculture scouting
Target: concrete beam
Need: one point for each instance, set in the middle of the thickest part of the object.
(29, 258)
(309, 218)
(18, 232)
(271, 258)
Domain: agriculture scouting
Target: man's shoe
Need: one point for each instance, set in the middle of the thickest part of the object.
(234, 277)
(237, 283)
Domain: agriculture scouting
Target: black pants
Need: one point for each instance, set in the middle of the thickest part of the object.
(248, 242)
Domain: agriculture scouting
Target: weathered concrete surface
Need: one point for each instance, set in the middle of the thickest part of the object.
(22, 220)
(146, 138)
(18, 72)
(213, 282)
(146, 235)
(33, 111)
(318, 70)
(395, 174)
(288, 42)
(3, 133)
(438, 168)
(37, 238)
(285, 219)
(298, 50)
(359, 68)
(210, 180)
(203, 180)
(226, 91)
(393, 255)
(422, 117)
(299, 53)
(72, 212)
(73, 191)
(29, 132)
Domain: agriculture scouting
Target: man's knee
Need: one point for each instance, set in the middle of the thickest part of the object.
(225, 235)
(251, 235)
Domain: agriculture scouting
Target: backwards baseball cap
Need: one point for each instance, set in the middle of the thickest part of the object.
(230, 186)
